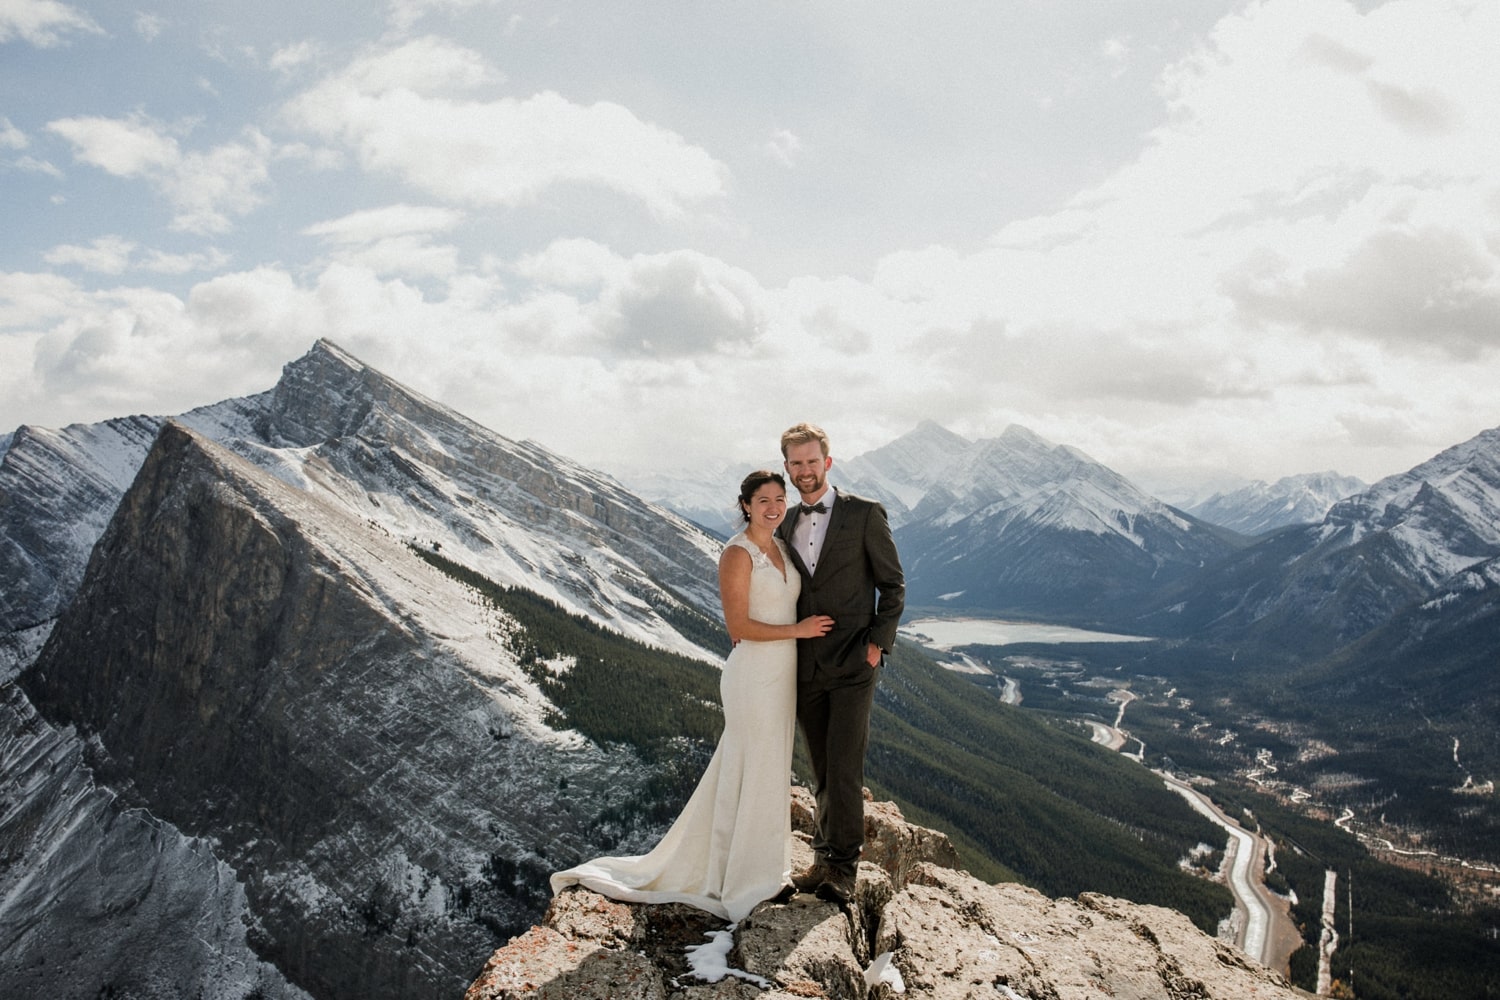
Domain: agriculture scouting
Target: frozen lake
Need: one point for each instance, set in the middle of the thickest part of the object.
(945, 633)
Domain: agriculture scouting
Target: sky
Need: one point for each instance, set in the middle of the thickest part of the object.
(1184, 236)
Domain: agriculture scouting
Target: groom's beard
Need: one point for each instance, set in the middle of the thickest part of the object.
(811, 484)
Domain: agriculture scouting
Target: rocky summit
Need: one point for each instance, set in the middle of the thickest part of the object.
(918, 926)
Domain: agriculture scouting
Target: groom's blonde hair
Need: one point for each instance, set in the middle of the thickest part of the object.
(801, 434)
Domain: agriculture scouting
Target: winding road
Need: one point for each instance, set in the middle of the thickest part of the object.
(1262, 927)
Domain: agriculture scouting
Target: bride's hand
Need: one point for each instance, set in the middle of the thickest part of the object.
(813, 626)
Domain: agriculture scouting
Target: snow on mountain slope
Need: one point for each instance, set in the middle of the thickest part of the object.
(1018, 523)
(944, 479)
(1318, 588)
(1259, 507)
(902, 472)
(427, 475)
(1444, 514)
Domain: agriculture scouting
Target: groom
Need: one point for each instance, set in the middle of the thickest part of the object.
(842, 547)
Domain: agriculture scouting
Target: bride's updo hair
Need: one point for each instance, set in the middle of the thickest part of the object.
(753, 482)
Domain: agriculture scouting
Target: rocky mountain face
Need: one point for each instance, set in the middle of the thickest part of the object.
(98, 897)
(343, 431)
(1436, 658)
(1259, 507)
(1019, 524)
(316, 743)
(1376, 554)
(268, 751)
(57, 491)
(918, 927)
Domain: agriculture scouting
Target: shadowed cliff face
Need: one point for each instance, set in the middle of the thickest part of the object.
(917, 927)
(338, 719)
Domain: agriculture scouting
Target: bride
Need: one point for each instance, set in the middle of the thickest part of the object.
(729, 848)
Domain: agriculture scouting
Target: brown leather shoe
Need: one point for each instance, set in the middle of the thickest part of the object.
(810, 878)
(838, 887)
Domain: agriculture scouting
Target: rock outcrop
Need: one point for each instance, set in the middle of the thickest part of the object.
(918, 927)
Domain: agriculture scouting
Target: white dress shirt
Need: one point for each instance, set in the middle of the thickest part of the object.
(811, 529)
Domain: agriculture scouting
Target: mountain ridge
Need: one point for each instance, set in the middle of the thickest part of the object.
(1259, 507)
(513, 510)
(362, 745)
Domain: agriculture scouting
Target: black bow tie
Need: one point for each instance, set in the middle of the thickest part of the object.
(815, 508)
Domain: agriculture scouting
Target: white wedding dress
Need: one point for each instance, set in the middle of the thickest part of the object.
(730, 847)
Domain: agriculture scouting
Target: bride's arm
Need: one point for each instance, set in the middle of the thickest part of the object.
(734, 594)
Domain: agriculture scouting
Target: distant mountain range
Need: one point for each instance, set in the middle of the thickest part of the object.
(327, 678)
(1379, 553)
(1259, 507)
(1019, 525)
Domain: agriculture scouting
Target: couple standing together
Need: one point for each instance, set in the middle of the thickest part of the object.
(812, 596)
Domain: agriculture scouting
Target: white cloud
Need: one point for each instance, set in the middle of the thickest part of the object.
(33, 300)
(116, 255)
(1116, 52)
(1284, 192)
(1300, 262)
(572, 263)
(91, 354)
(161, 262)
(43, 23)
(681, 304)
(209, 187)
(1406, 288)
(205, 188)
(105, 255)
(411, 256)
(13, 138)
(32, 165)
(374, 224)
(394, 240)
(10, 136)
(396, 110)
(783, 147)
(126, 148)
(290, 58)
(148, 25)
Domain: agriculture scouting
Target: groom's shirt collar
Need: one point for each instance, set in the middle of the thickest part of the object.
(828, 496)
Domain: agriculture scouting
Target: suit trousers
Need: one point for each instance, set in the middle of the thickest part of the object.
(834, 713)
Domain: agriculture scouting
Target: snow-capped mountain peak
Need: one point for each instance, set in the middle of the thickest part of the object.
(1259, 507)
(424, 473)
